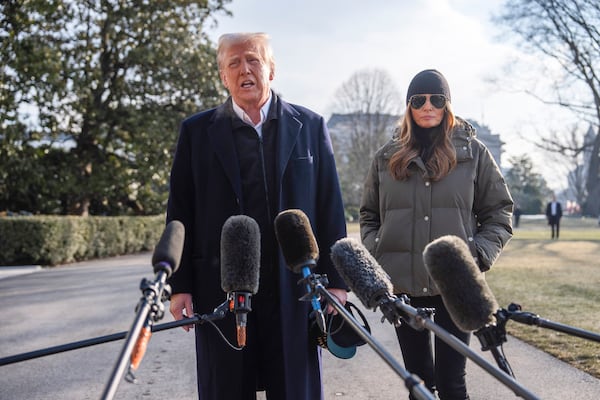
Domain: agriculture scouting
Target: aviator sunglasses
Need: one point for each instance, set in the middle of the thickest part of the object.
(418, 100)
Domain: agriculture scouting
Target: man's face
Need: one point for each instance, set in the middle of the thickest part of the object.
(246, 75)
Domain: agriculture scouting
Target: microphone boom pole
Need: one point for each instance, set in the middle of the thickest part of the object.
(219, 313)
(413, 383)
(421, 322)
(514, 313)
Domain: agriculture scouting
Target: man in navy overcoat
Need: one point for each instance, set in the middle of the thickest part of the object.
(255, 155)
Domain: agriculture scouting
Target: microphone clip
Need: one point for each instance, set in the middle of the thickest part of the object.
(412, 316)
(312, 281)
(218, 313)
(397, 310)
(493, 336)
(155, 293)
(239, 302)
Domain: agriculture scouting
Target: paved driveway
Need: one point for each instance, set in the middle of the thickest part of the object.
(44, 307)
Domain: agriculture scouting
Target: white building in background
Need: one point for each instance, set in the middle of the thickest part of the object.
(491, 140)
(342, 126)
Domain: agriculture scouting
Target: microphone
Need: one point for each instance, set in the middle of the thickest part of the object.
(372, 285)
(465, 292)
(300, 250)
(240, 265)
(167, 253)
(361, 272)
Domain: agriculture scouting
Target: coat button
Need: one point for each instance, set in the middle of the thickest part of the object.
(427, 183)
(426, 218)
(376, 239)
(425, 290)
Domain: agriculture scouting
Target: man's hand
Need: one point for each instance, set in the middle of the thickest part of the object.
(341, 295)
(179, 303)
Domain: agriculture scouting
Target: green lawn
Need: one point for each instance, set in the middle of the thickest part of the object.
(558, 280)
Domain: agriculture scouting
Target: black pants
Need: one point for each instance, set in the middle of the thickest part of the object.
(555, 227)
(442, 369)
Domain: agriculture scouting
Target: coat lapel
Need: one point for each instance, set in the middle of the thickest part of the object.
(289, 129)
(220, 133)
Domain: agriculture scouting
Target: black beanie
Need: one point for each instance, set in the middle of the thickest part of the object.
(429, 81)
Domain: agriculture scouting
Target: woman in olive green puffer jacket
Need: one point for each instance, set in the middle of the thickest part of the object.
(434, 178)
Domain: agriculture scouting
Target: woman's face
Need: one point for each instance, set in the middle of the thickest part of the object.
(427, 115)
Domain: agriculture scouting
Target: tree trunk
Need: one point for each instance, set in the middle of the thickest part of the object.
(592, 205)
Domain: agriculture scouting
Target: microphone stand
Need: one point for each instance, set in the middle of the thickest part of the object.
(413, 383)
(149, 310)
(419, 320)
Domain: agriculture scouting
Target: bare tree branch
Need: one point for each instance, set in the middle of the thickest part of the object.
(566, 32)
(366, 108)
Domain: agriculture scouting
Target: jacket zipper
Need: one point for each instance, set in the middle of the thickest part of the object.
(264, 174)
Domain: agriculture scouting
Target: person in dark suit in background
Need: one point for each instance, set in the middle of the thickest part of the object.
(517, 215)
(554, 214)
(254, 155)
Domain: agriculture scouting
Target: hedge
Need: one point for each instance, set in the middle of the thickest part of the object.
(52, 240)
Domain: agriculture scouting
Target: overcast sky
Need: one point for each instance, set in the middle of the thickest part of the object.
(319, 44)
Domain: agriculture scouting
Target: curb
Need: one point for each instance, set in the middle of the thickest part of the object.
(7, 272)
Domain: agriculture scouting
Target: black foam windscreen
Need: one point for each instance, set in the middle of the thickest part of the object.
(240, 254)
(296, 239)
(169, 248)
(361, 272)
(470, 302)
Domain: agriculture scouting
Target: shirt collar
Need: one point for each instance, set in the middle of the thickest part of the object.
(264, 111)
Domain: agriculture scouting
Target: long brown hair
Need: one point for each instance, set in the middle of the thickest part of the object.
(443, 156)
